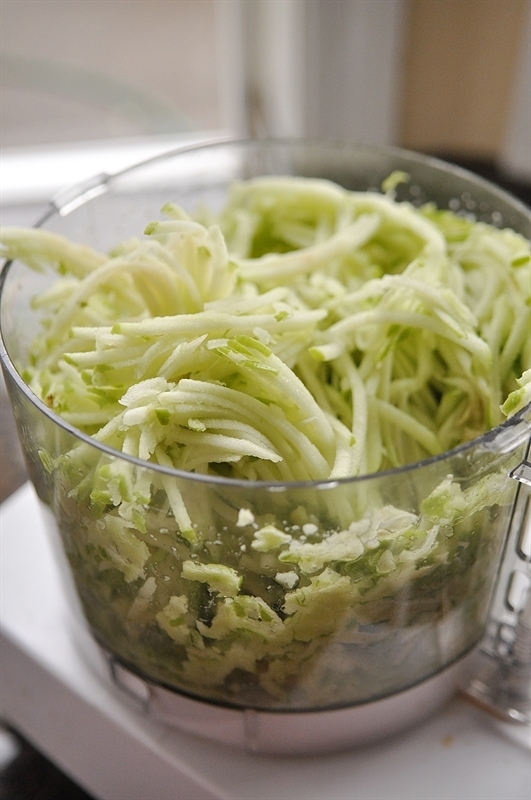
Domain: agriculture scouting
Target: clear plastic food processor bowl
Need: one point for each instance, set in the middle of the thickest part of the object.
(321, 660)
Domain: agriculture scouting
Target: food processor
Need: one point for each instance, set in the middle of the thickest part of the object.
(311, 667)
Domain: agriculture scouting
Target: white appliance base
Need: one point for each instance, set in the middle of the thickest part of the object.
(293, 733)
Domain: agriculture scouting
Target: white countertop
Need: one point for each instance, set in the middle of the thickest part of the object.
(32, 175)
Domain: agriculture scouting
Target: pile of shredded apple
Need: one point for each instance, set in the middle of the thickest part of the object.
(304, 332)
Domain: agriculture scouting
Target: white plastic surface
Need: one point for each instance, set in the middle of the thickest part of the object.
(55, 698)
(302, 733)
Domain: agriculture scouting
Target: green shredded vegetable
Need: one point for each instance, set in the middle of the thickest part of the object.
(303, 333)
(271, 337)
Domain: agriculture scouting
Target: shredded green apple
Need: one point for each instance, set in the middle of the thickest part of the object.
(303, 333)
(306, 333)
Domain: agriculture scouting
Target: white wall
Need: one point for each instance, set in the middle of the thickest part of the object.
(516, 149)
(314, 67)
(354, 51)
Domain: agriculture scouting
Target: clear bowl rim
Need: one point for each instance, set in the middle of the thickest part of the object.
(486, 440)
